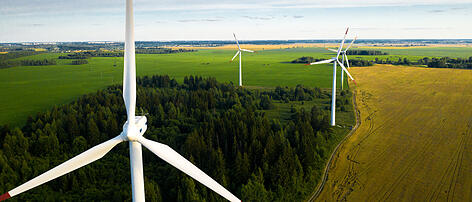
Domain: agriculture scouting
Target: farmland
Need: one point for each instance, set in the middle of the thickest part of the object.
(32, 89)
(414, 140)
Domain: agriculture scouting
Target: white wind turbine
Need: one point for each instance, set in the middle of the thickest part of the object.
(133, 131)
(240, 52)
(344, 56)
(335, 61)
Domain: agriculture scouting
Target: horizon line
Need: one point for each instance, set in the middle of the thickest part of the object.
(221, 40)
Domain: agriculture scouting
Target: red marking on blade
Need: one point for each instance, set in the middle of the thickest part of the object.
(347, 30)
(5, 196)
(354, 82)
(307, 64)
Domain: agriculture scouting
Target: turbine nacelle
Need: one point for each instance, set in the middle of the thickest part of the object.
(132, 132)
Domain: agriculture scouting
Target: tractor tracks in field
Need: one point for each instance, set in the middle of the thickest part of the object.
(351, 176)
(454, 169)
(331, 158)
(406, 170)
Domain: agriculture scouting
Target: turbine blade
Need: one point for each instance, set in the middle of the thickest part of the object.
(345, 70)
(342, 43)
(129, 73)
(175, 159)
(322, 62)
(352, 42)
(237, 53)
(82, 159)
(247, 50)
(330, 49)
(237, 42)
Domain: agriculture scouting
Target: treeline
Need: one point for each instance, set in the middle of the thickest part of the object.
(79, 62)
(306, 60)
(443, 62)
(38, 62)
(89, 54)
(217, 126)
(360, 63)
(7, 64)
(162, 50)
(352, 62)
(365, 52)
(5, 59)
(13, 55)
(446, 62)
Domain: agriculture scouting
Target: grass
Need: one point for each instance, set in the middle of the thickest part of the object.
(414, 140)
(28, 90)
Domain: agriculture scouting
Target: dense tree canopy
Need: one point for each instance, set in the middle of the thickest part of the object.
(221, 128)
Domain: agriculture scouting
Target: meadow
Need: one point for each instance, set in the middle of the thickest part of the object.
(28, 90)
(414, 140)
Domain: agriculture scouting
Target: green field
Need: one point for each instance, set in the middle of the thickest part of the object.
(28, 90)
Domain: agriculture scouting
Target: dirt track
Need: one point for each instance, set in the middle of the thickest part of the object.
(414, 142)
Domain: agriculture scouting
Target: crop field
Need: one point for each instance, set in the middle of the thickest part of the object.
(28, 90)
(31, 89)
(414, 140)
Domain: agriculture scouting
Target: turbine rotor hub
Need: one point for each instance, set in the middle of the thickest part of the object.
(133, 132)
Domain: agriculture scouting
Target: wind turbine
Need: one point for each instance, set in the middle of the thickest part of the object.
(133, 131)
(344, 55)
(335, 61)
(240, 52)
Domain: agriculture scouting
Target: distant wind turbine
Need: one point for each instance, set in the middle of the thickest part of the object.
(240, 52)
(133, 131)
(335, 61)
(344, 55)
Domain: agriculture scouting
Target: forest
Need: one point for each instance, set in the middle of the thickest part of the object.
(222, 129)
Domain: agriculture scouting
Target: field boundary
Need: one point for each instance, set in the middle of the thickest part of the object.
(326, 170)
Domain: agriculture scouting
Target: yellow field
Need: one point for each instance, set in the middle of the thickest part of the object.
(256, 47)
(309, 45)
(415, 138)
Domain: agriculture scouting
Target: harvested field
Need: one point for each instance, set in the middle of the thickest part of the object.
(415, 138)
(259, 47)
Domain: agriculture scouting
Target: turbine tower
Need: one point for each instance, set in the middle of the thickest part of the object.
(335, 61)
(133, 131)
(240, 52)
(344, 56)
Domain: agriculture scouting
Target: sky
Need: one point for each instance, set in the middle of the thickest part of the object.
(166, 20)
